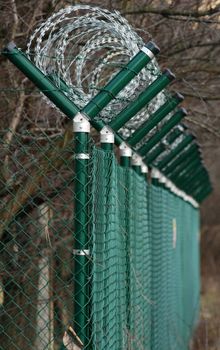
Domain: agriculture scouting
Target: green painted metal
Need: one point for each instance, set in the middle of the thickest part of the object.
(135, 65)
(81, 240)
(197, 189)
(107, 146)
(125, 161)
(137, 169)
(175, 119)
(133, 287)
(193, 179)
(196, 177)
(46, 85)
(200, 178)
(154, 119)
(185, 156)
(185, 168)
(142, 100)
(195, 173)
(183, 144)
(156, 152)
(61, 83)
(20, 60)
(143, 268)
(203, 194)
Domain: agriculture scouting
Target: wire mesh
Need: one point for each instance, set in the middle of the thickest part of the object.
(142, 268)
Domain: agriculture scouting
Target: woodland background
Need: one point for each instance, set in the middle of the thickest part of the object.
(188, 34)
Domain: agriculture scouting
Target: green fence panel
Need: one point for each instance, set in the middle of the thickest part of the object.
(143, 254)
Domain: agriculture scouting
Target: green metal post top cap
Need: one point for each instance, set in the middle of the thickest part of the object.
(152, 47)
(178, 96)
(11, 46)
(184, 112)
(182, 127)
(169, 74)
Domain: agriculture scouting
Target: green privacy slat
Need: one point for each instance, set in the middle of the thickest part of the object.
(143, 99)
(142, 276)
(154, 119)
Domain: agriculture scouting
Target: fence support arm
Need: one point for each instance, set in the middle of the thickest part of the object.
(179, 148)
(175, 119)
(155, 119)
(142, 100)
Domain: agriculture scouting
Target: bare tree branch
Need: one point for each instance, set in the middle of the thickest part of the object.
(173, 12)
(204, 126)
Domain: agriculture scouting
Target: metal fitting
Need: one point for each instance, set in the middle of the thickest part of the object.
(125, 150)
(136, 160)
(107, 135)
(81, 252)
(81, 123)
(155, 173)
(144, 168)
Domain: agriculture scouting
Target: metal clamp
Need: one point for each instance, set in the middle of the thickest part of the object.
(125, 150)
(155, 174)
(144, 168)
(81, 252)
(107, 135)
(136, 160)
(148, 52)
(81, 156)
(81, 123)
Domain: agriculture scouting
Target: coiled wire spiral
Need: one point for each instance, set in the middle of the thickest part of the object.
(85, 47)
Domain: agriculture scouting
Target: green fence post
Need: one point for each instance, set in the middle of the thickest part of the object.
(203, 193)
(154, 119)
(198, 186)
(142, 100)
(175, 119)
(136, 162)
(184, 169)
(81, 252)
(174, 152)
(144, 169)
(135, 65)
(125, 153)
(184, 157)
(107, 138)
(193, 178)
(163, 145)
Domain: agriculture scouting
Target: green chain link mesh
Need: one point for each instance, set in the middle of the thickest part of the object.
(142, 280)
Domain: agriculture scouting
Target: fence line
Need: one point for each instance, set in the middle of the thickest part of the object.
(142, 285)
(100, 245)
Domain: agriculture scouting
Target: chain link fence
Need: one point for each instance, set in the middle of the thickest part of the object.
(129, 280)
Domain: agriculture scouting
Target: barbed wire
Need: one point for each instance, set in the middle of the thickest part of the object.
(79, 44)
